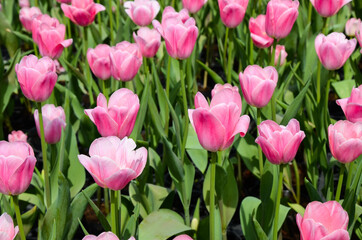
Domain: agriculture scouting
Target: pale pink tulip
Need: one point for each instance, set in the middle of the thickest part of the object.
(7, 229)
(179, 31)
(37, 78)
(193, 6)
(359, 36)
(258, 84)
(352, 25)
(280, 55)
(280, 17)
(352, 106)
(327, 8)
(82, 12)
(24, 3)
(126, 60)
(232, 12)
(17, 162)
(118, 117)
(142, 12)
(99, 61)
(113, 162)
(39, 20)
(148, 40)
(183, 237)
(102, 236)
(279, 143)
(334, 50)
(15, 136)
(345, 140)
(216, 125)
(323, 221)
(27, 15)
(258, 33)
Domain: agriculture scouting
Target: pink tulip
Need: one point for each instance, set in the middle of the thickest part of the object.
(17, 136)
(334, 50)
(323, 221)
(142, 12)
(352, 106)
(280, 17)
(258, 33)
(179, 31)
(359, 36)
(24, 3)
(7, 229)
(59, 67)
(17, 162)
(113, 162)
(26, 16)
(82, 12)
(64, 1)
(39, 20)
(37, 78)
(327, 8)
(217, 124)
(102, 236)
(279, 53)
(279, 143)
(258, 84)
(54, 122)
(183, 237)
(232, 12)
(126, 60)
(99, 61)
(148, 40)
(352, 25)
(193, 6)
(119, 117)
(345, 140)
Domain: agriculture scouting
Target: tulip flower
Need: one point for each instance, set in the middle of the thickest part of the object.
(82, 12)
(279, 53)
(323, 221)
(26, 16)
(352, 106)
(217, 124)
(359, 36)
(279, 143)
(280, 17)
(183, 237)
(24, 3)
(7, 229)
(334, 50)
(119, 117)
(179, 31)
(258, 33)
(126, 60)
(64, 1)
(258, 84)
(19, 161)
(345, 140)
(148, 40)
(193, 6)
(352, 25)
(327, 8)
(142, 12)
(232, 12)
(113, 162)
(37, 78)
(17, 136)
(39, 20)
(102, 236)
(99, 61)
(54, 122)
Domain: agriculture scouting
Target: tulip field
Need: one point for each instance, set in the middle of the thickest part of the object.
(180, 120)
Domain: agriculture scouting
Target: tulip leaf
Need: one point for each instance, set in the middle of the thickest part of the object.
(343, 88)
(248, 151)
(297, 207)
(132, 223)
(213, 75)
(196, 152)
(258, 229)
(247, 207)
(173, 162)
(312, 192)
(29, 218)
(82, 227)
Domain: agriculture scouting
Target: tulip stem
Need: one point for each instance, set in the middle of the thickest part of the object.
(36, 3)
(167, 117)
(186, 124)
(272, 58)
(88, 75)
(297, 179)
(319, 69)
(117, 14)
(106, 200)
(114, 213)
(261, 164)
(110, 20)
(251, 54)
(212, 195)
(277, 203)
(45, 160)
(349, 176)
(99, 17)
(225, 46)
(18, 217)
(230, 63)
(310, 8)
(340, 181)
(36, 50)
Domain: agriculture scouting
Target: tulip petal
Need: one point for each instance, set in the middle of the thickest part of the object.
(338, 234)
(330, 56)
(19, 181)
(105, 124)
(349, 150)
(268, 149)
(120, 179)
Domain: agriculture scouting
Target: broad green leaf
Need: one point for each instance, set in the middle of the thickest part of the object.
(247, 207)
(173, 162)
(343, 88)
(297, 207)
(312, 192)
(213, 75)
(196, 152)
(248, 150)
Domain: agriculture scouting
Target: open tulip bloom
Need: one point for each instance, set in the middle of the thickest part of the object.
(142, 12)
(7, 229)
(352, 106)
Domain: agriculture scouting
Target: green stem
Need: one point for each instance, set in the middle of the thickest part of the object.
(319, 69)
(186, 205)
(186, 120)
(277, 203)
(35, 50)
(261, 163)
(106, 200)
(168, 79)
(272, 58)
(225, 45)
(350, 174)
(229, 63)
(340, 181)
(251, 54)
(105, 86)
(36, 3)
(99, 18)
(45, 160)
(310, 7)
(110, 21)
(117, 14)
(325, 26)
(273, 108)
(18, 217)
(297, 179)
(88, 75)
(114, 212)
(212, 195)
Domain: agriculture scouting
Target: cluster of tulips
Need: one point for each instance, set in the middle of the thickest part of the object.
(119, 115)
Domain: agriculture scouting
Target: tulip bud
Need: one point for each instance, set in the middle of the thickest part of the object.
(148, 40)
(232, 12)
(142, 12)
(82, 12)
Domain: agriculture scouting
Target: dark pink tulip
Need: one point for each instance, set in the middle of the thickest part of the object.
(258, 84)
(113, 162)
(24, 3)
(352, 25)
(126, 60)
(118, 117)
(17, 162)
(334, 50)
(359, 36)
(26, 16)
(7, 229)
(39, 20)
(345, 140)
(37, 78)
(54, 122)
(82, 12)
(232, 12)
(280, 17)
(327, 8)
(179, 31)
(183, 237)
(148, 40)
(258, 33)
(142, 12)
(279, 143)
(64, 1)
(280, 55)
(17, 136)
(352, 106)
(193, 6)
(217, 124)
(102, 236)
(323, 221)
(99, 61)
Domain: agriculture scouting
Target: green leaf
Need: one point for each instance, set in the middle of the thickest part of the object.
(312, 192)
(248, 151)
(343, 88)
(297, 207)
(213, 75)
(132, 223)
(258, 229)
(247, 207)
(173, 162)
(196, 152)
